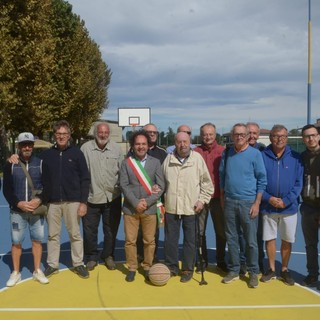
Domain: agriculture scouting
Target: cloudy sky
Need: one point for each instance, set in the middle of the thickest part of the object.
(194, 61)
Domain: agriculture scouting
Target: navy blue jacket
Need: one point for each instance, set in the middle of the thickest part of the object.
(15, 185)
(65, 175)
(285, 179)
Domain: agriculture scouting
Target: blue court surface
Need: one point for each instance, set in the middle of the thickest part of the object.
(297, 263)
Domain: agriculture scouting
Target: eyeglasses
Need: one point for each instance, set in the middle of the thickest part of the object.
(240, 135)
(279, 137)
(152, 132)
(61, 134)
(310, 136)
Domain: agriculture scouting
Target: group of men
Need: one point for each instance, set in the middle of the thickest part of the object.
(250, 190)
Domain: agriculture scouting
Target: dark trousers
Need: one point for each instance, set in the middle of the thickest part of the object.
(172, 226)
(310, 227)
(111, 214)
(217, 217)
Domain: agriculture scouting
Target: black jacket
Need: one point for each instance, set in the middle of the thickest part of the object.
(65, 175)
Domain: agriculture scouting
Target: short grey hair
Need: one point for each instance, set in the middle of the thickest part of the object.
(240, 124)
(207, 125)
(278, 127)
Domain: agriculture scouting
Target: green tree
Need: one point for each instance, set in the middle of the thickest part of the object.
(26, 64)
(50, 68)
(170, 137)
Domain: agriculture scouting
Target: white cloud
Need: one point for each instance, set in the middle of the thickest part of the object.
(194, 61)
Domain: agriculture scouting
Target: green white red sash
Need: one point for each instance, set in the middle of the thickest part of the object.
(146, 182)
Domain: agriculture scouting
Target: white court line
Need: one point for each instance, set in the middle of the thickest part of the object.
(122, 248)
(285, 306)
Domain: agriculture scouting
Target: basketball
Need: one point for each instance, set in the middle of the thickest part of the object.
(159, 274)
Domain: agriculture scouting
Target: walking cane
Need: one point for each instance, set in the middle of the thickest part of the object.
(199, 249)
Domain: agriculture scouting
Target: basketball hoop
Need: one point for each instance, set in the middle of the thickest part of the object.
(134, 122)
(134, 125)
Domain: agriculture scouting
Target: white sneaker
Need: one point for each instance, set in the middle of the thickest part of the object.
(15, 277)
(39, 276)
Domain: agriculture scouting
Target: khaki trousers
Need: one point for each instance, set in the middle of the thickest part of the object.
(69, 212)
(131, 226)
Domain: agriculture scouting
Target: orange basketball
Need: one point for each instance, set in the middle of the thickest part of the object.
(159, 274)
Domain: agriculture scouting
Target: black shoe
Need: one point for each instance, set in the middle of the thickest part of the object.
(186, 276)
(146, 275)
(268, 276)
(310, 281)
(173, 273)
(91, 265)
(81, 271)
(285, 276)
(110, 264)
(130, 276)
(50, 271)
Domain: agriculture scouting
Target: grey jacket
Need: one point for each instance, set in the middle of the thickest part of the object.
(133, 191)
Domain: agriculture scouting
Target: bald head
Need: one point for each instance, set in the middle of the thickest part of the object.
(184, 128)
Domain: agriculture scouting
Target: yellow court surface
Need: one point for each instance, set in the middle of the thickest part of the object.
(106, 295)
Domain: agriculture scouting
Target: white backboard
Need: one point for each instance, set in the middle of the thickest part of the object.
(133, 117)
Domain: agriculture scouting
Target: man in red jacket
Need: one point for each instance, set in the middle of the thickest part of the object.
(211, 152)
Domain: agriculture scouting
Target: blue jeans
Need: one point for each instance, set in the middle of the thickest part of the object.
(237, 217)
(260, 245)
(171, 242)
(21, 221)
(110, 213)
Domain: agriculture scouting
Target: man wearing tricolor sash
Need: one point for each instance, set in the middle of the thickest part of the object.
(142, 184)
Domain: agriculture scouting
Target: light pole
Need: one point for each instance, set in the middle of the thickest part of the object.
(309, 65)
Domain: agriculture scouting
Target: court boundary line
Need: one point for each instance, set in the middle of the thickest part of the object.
(122, 248)
(285, 306)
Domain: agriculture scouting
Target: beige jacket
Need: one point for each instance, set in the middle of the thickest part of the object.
(186, 183)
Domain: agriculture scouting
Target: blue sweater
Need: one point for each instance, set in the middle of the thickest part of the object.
(245, 174)
(285, 179)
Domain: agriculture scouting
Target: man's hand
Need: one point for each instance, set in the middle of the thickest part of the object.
(142, 206)
(198, 206)
(82, 210)
(277, 202)
(155, 189)
(26, 206)
(35, 203)
(14, 158)
(254, 210)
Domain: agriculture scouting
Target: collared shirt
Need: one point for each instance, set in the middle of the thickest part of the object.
(104, 166)
(143, 161)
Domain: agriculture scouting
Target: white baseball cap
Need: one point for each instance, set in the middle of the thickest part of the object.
(25, 136)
